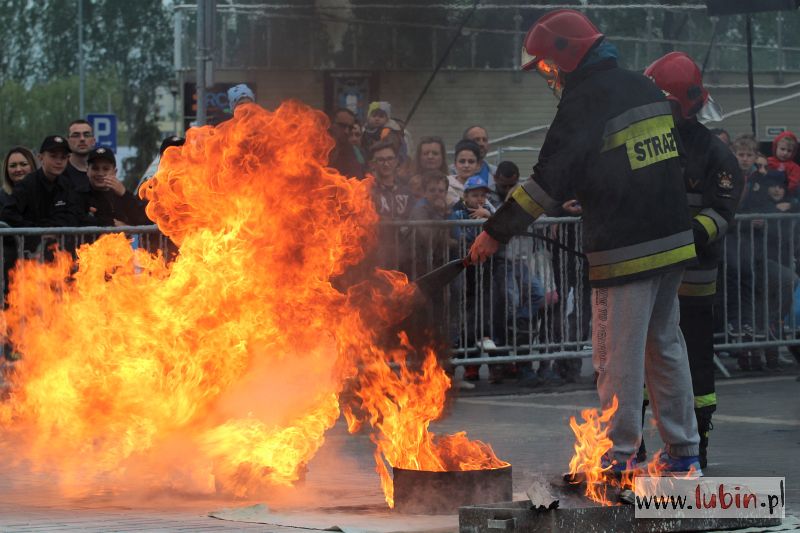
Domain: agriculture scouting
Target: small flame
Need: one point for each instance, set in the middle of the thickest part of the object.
(550, 72)
(592, 443)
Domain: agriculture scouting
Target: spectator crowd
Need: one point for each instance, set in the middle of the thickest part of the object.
(492, 306)
(71, 182)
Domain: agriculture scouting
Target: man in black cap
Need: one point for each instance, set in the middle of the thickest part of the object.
(172, 140)
(110, 204)
(46, 197)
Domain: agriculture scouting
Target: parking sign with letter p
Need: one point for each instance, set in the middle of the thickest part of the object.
(105, 129)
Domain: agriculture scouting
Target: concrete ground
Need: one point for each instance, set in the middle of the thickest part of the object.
(757, 433)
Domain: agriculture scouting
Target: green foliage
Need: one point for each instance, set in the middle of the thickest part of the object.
(127, 51)
(28, 115)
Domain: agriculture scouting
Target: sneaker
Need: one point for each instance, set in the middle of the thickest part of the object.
(756, 363)
(495, 374)
(472, 373)
(464, 385)
(744, 362)
(549, 376)
(733, 331)
(773, 360)
(678, 465)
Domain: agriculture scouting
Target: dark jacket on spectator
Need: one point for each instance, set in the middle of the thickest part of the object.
(429, 243)
(80, 184)
(108, 206)
(345, 160)
(38, 202)
(78, 178)
(392, 203)
(5, 198)
(774, 234)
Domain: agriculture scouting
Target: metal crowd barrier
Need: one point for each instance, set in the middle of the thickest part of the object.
(532, 300)
(756, 301)
(37, 243)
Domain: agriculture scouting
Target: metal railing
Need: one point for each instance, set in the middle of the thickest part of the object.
(758, 278)
(532, 300)
(304, 37)
(37, 243)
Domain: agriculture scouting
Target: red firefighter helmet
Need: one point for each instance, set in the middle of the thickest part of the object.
(677, 75)
(563, 36)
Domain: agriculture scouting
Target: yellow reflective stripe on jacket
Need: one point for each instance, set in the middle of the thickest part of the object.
(697, 283)
(698, 289)
(642, 264)
(648, 141)
(527, 203)
(548, 203)
(705, 400)
(709, 225)
(719, 220)
(642, 249)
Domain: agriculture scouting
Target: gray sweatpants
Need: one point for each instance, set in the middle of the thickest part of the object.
(637, 340)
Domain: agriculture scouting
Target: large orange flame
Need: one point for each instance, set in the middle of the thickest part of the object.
(221, 371)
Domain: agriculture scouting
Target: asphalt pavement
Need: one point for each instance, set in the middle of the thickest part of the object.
(756, 433)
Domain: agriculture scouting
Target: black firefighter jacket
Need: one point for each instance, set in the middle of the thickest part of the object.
(714, 185)
(614, 143)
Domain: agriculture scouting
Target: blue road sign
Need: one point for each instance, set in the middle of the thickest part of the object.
(105, 129)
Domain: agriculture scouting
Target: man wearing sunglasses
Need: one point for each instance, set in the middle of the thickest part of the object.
(613, 146)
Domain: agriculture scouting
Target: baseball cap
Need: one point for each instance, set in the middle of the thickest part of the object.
(386, 107)
(101, 154)
(172, 140)
(237, 92)
(54, 142)
(475, 182)
(774, 177)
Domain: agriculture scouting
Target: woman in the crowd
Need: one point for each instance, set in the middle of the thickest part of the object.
(18, 163)
(467, 162)
(431, 157)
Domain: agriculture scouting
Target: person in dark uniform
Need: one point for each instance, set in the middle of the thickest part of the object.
(613, 144)
(714, 185)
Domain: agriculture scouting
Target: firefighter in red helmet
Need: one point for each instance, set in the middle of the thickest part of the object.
(614, 147)
(713, 184)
